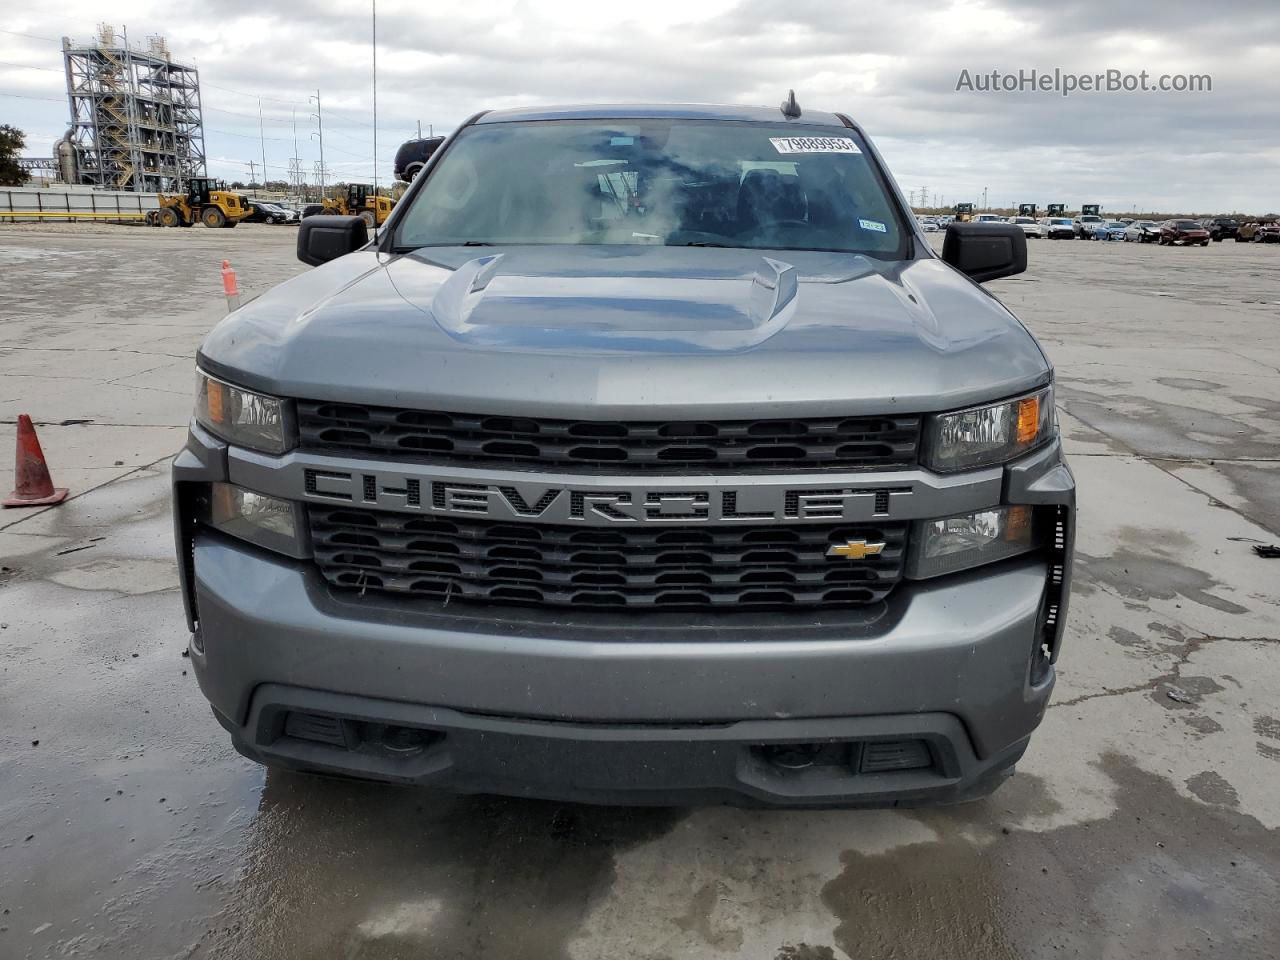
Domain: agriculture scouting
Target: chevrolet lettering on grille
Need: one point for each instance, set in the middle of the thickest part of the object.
(601, 505)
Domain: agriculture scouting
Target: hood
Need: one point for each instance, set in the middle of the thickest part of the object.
(639, 332)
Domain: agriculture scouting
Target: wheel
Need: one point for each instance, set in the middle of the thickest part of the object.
(1204, 243)
(169, 217)
(213, 217)
(369, 219)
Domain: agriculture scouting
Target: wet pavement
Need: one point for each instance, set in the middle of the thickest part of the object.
(1142, 823)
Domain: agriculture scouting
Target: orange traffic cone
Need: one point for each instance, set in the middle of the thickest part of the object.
(33, 487)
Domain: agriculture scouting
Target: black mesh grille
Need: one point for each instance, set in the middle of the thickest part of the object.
(593, 567)
(836, 443)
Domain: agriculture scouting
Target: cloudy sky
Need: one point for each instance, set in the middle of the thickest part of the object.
(892, 66)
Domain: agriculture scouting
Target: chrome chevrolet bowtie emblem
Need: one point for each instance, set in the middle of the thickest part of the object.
(855, 549)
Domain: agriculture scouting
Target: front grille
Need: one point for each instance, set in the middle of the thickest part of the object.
(810, 443)
(657, 568)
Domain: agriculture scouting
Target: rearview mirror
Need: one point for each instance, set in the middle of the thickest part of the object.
(321, 239)
(985, 251)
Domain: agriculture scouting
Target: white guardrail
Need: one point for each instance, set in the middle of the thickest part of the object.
(68, 204)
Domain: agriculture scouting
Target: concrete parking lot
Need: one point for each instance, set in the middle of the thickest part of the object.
(1143, 822)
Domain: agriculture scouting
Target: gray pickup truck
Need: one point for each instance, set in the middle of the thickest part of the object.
(647, 454)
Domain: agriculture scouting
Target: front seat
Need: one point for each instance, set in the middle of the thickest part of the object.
(766, 197)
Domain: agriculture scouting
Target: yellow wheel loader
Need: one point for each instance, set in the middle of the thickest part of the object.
(361, 202)
(207, 201)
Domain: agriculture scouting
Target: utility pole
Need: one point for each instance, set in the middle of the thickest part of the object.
(419, 129)
(924, 196)
(262, 141)
(375, 96)
(318, 116)
(984, 198)
(296, 180)
(251, 164)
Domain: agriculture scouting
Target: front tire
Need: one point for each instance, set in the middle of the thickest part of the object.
(169, 217)
(369, 219)
(213, 218)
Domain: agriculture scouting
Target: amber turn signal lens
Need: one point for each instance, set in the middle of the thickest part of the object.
(1017, 525)
(1028, 419)
(217, 394)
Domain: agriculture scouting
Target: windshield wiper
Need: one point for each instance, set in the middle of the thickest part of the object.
(704, 243)
(477, 243)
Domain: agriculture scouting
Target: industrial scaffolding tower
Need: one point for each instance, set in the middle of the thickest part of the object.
(135, 115)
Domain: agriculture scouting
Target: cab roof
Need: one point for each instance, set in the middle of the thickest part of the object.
(660, 111)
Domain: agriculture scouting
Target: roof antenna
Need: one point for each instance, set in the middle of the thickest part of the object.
(791, 109)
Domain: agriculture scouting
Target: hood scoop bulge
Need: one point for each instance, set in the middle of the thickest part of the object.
(481, 303)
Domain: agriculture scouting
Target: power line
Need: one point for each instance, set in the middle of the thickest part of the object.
(23, 96)
(31, 36)
(27, 66)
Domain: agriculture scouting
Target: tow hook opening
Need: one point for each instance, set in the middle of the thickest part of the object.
(359, 735)
(871, 756)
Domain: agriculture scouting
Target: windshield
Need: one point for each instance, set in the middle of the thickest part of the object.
(656, 182)
(1188, 225)
(1061, 222)
(1089, 218)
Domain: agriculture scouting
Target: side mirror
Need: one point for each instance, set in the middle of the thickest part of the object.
(985, 251)
(321, 238)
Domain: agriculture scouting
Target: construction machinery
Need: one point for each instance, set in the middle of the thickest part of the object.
(964, 212)
(206, 200)
(360, 201)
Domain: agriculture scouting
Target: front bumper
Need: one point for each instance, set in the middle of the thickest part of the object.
(642, 710)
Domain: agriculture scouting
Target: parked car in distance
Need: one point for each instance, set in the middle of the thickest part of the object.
(1256, 231)
(1083, 226)
(1221, 227)
(1110, 230)
(1030, 227)
(1142, 231)
(413, 156)
(989, 218)
(929, 225)
(273, 212)
(1057, 228)
(1185, 232)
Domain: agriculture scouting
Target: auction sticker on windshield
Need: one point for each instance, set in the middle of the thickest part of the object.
(814, 145)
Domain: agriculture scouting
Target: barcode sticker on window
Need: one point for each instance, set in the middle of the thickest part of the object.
(814, 145)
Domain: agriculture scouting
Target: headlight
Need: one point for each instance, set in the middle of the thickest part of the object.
(970, 540)
(242, 417)
(996, 433)
(267, 521)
